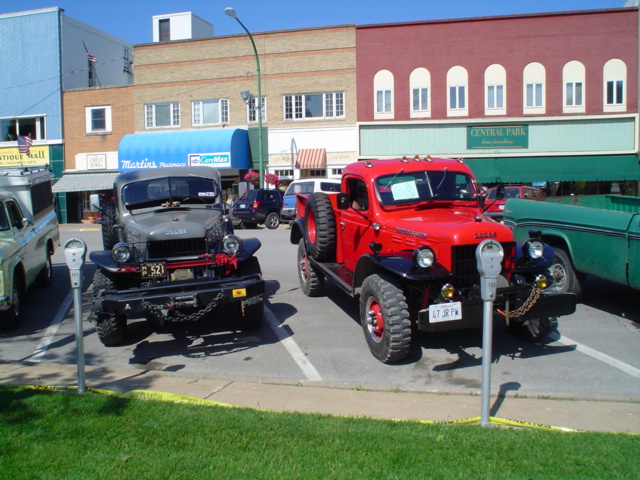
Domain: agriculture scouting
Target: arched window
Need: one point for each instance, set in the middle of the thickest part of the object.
(495, 82)
(420, 88)
(383, 94)
(573, 79)
(534, 85)
(457, 82)
(614, 77)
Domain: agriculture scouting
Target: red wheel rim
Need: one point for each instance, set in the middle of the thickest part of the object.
(376, 327)
(311, 227)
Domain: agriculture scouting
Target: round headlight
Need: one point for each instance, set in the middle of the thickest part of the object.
(533, 248)
(424, 257)
(231, 244)
(121, 252)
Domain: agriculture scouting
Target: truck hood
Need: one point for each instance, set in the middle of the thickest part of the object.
(170, 224)
(457, 227)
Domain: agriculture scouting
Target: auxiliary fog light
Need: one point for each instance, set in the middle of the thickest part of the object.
(448, 291)
(121, 252)
(541, 281)
(231, 244)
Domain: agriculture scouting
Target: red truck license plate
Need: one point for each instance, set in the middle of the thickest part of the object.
(445, 312)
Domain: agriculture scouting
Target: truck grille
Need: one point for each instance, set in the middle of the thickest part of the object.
(465, 266)
(184, 247)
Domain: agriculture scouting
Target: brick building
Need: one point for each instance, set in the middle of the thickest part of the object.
(527, 98)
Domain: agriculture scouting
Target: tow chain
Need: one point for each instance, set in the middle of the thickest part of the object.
(178, 316)
(526, 306)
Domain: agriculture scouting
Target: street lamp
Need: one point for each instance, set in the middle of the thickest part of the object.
(258, 105)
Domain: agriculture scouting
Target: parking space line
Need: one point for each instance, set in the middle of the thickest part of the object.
(291, 346)
(47, 338)
(626, 368)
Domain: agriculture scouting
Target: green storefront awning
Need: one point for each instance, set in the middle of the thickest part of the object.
(613, 168)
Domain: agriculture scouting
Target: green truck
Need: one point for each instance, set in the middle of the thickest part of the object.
(593, 234)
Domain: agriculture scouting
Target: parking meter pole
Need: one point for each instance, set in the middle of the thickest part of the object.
(487, 355)
(77, 307)
(489, 256)
(74, 252)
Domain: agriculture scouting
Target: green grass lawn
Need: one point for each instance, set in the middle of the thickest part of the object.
(64, 436)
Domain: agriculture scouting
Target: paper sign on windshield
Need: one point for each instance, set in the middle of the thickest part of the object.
(404, 190)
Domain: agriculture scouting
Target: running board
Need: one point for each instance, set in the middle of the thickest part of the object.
(339, 275)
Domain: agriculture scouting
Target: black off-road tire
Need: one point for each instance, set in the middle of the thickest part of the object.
(12, 318)
(272, 221)
(45, 277)
(566, 279)
(311, 280)
(535, 329)
(108, 220)
(320, 232)
(112, 329)
(384, 316)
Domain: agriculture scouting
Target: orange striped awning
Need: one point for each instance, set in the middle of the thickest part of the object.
(312, 158)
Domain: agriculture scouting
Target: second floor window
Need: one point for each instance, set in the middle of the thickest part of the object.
(457, 98)
(383, 101)
(158, 115)
(210, 112)
(98, 119)
(615, 92)
(495, 96)
(252, 111)
(314, 106)
(534, 95)
(420, 100)
(32, 127)
(573, 94)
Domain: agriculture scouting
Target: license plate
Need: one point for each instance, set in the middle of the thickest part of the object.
(242, 205)
(152, 270)
(445, 312)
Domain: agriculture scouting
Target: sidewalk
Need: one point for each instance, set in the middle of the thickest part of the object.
(319, 397)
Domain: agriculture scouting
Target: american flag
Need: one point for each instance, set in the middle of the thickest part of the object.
(92, 58)
(24, 144)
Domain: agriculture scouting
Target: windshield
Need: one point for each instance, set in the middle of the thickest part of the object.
(411, 187)
(170, 192)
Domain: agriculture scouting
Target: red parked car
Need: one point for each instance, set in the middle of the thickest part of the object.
(495, 207)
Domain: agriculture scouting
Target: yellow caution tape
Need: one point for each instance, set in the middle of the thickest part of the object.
(185, 399)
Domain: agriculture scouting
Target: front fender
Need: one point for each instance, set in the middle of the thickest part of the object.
(103, 260)
(397, 266)
(249, 247)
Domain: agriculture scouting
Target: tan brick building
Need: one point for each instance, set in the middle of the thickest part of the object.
(307, 82)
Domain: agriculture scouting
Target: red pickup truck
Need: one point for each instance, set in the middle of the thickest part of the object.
(401, 236)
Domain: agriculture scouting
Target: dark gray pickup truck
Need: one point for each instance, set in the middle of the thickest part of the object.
(171, 255)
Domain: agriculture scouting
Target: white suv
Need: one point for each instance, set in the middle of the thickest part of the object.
(305, 186)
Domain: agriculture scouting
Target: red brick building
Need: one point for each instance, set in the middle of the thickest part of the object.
(456, 87)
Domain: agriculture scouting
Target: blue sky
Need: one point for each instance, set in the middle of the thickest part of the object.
(130, 20)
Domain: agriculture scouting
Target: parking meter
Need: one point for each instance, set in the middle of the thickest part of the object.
(75, 251)
(489, 255)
